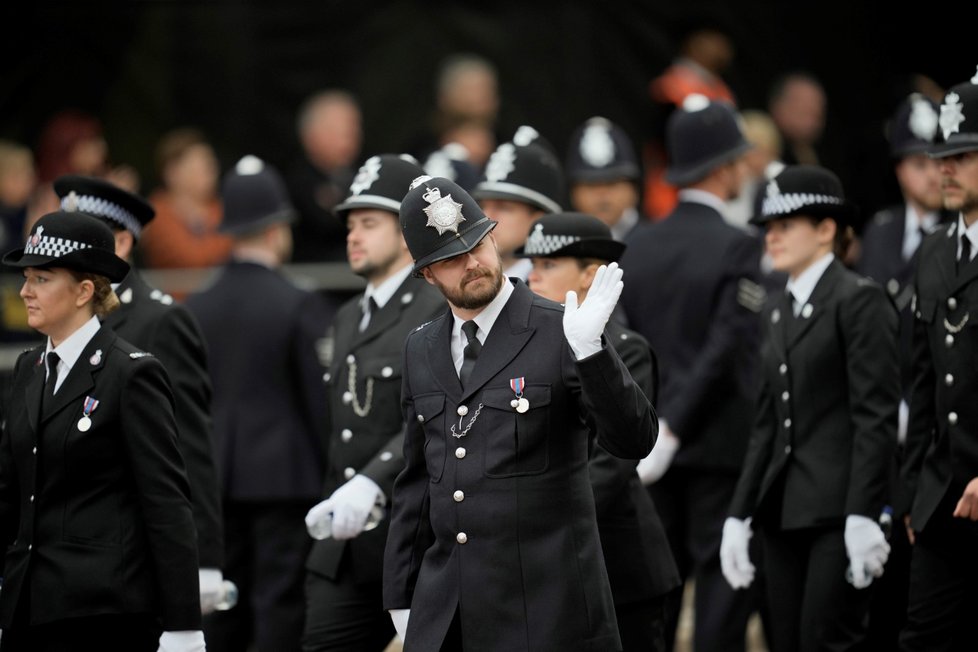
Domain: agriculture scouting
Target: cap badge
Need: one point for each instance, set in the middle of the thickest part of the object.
(444, 213)
(951, 115)
(36, 238)
(501, 163)
(923, 119)
(525, 134)
(597, 148)
(365, 178)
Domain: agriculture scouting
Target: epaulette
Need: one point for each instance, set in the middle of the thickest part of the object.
(750, 295)
(162, 297)
(423, 325)
(136, 355)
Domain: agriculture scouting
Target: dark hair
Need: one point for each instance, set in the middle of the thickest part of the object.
(844, 236)
(104, 299)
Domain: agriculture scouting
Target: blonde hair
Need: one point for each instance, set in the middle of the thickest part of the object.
(104, 299)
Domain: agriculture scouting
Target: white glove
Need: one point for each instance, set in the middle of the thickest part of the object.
(584, 324)
(656, 463)
(186, 641)
(348, 507)
(211, 589)
(867, 549)
(734, 553)
(400, 619)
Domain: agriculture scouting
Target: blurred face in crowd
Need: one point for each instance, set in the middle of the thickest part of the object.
(470, 90)
(799, 110)
(332, 135)
(919, 177)
(553, 278)
(795, 242)
(374, 244)
(55, 301)
(515, 219)
(959, 181)
(469, 281)
(605, 200)
(195, 173)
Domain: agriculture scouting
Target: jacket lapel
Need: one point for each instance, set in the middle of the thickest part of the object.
(81, 378)
(779, 319)
(387, 316)
(947, 256)
(968, 273)
(35, 387)
(439, 343)
(808, 316)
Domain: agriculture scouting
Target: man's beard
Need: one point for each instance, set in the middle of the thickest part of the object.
(476, 297)
(967, 202)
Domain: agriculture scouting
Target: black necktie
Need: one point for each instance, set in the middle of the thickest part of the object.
(965, 257)
(369, 308)
(471, 351)
(791, 304)
(52, 379)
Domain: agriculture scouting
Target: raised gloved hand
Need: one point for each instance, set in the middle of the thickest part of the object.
(184, 641)
(867, 549)
(656, 463)
(400, 619)
(211, 589)
(734, 553)
(584, 324)
(348, 507)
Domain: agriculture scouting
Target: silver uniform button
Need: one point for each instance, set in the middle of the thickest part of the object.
(30, 546)
(420, 418)
(347, 397)
(787, 449)
(952, 418)
(949, 341)
(386, 372)
(952, 303)
(346, 434)
(949, 379)
(350, 359)
(787, 423)
(326, 377)
(459, 496)
(32, 497)
(462, 410)
(783, 369)
(785, 396)
(461, 537)
(386, 456)
(893, 286)
(459, 452)
(349, 472)
(34, 451)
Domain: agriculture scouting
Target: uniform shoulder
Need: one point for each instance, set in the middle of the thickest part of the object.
(124, 349)
(426, 327)
(547, 305)
(884, 217)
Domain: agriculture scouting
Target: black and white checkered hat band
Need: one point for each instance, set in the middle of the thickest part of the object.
(101, 208)
(792, 201)
(541, 244)
(52, 247)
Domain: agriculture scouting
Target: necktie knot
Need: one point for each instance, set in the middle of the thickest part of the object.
(369, 308)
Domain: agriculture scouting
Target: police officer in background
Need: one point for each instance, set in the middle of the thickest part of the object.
(344, 609)
(521, 183)
(269, 416)
(493, 541)
(603, 173)
(940, 467)
(693, 294)
(150, 319)
(567, 249)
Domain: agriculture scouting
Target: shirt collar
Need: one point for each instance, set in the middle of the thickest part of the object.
(382, 293)
(697, 196)
(927, 221)
(69, 350)
(627, 221)
(485, 319)
(801, 288)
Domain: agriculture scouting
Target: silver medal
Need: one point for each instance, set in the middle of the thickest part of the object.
(84, 424)
(514, 403)
(522, 405)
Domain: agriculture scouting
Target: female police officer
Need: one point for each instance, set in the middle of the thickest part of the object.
(815, 477)
(94, 501)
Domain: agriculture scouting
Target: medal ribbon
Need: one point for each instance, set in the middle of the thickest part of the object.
(516, 384)
(90, 405)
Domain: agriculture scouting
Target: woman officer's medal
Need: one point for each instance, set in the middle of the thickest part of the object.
(86, 421)
(519, 403)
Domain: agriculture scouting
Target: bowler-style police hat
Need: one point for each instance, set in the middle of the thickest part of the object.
(805, 190)
(71, 240)
(104, 200)
(913, 127)
(254, 197)
(381, 183)
(958, 122)
(440, 220)
(571, 235)
(526, 173)
(600, 151)
(701, 136)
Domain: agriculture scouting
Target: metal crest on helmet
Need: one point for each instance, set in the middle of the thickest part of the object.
(368, 173)
(597, 147)
(444, 213)
(923, 119)
(951, 114)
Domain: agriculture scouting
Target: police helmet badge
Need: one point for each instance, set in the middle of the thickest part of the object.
(951, 115)
(501, 163)
(772, 189)
(597, 146)
(444, 213)
(369, 172)
(923, 119)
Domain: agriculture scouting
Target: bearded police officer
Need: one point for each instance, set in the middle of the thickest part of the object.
(151, 320)
(940, 468)
(344, 608)
(493, 542)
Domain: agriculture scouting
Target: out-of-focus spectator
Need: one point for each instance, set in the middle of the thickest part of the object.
(17, 181)
(797, 106)
(329, 128)
(761, 163)
(188, 207)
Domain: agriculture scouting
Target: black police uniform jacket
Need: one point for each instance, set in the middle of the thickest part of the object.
(268, 410)
(499, 524)
(942, 436)
(691, 289)
(96, 522)
(825, 428)
(636, 550)
(150, 320)
(366, 422)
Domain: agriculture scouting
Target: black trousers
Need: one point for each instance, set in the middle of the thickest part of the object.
(943, 602)
(343, 616)
(106, 633)
(810, 603)
(641, 625)
(266, 545)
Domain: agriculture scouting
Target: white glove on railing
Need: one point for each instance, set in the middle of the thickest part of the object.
(657, 462)
(211, 589)
(348, 507)
(734, 553)
(867, 549)
(400, 619)
(186, 641)
(584, 324)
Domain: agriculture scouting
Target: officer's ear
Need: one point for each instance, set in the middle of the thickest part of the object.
(124, 243)
(426, 273)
